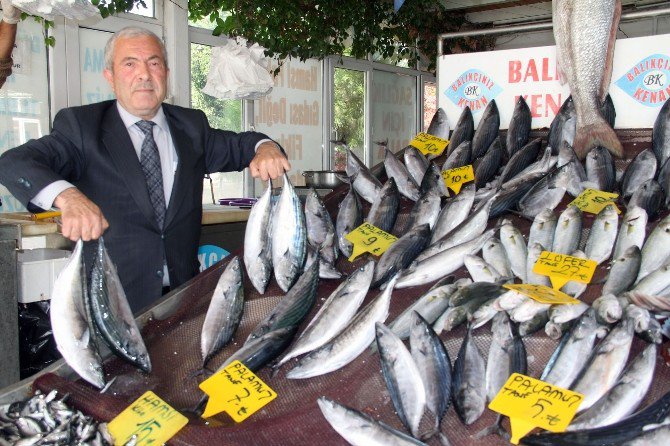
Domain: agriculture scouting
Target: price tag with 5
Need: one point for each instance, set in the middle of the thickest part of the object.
(149, 420)
(542, 294)
(237, 391)
(594, 201)
(562, 268)
(455, 178)
(429, 144)
(369, 238)
(531, 403)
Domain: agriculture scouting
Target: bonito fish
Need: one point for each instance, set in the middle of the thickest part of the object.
(585, 32)
(258, 242)
(289, 237)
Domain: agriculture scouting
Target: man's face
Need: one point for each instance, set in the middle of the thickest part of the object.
(139, 78)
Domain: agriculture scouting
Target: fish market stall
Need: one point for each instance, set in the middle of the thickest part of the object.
(327, 334)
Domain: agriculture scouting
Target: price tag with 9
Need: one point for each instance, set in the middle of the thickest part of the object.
(594, 201)
(149, 420)
(369, 238)
(455, 178)
(531, 403)
(562, 268)
(237, 391)
(429, 144)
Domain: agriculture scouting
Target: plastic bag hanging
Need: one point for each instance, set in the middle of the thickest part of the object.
(239, 72)
(48, 9)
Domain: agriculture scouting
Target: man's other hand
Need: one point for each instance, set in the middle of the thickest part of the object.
(81, 218)
(269, 162)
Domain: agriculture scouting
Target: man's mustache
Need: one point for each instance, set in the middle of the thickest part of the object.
(144, 86)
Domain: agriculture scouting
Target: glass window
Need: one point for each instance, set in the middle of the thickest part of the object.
(206, 22)
(222, 114)
(429, 103)
(291, 115)
(94, 86)
(393, 112)
(24, 99)
(149, 11)
(348, 115)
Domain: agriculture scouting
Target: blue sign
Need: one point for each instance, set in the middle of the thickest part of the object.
(648, 81)
(208, 255)
(474, 89)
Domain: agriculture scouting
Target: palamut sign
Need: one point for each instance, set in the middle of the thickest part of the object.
(639, 86)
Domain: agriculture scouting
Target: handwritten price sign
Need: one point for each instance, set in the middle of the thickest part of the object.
(429, 144)
(369, 238)
(531, 403)
(562, 268)
(542, 294)
(594, 201)
(237, 391)
(455, 178)
(149, 420)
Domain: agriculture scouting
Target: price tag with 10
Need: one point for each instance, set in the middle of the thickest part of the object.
(455, 178)
(594, 201)
(429, 144)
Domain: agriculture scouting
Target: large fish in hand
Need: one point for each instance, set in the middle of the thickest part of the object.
(585, 31)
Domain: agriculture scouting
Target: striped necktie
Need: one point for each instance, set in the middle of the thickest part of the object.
(151, 166)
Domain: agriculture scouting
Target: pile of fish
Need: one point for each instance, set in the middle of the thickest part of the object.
(85, 315)
(48, 420)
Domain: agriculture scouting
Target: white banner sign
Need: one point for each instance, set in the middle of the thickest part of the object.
(640, 82)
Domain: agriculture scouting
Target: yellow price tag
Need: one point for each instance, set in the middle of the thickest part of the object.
(369, 238)
(531, 403)
(429, 144)
(150, 419)
(455, 178)
(562, 268)
(236, 390)
(594, 201)
(542, 294)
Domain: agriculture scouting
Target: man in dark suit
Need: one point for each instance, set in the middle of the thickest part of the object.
(133, 168)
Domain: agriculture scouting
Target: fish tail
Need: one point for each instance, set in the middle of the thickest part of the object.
(594, 135)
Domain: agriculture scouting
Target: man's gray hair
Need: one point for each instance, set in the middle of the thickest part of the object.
(129, 32)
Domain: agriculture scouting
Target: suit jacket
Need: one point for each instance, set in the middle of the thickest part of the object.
(90, 147)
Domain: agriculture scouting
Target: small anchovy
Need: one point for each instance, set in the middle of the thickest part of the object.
(224, 312)
(468, 384)
(360, 429)
(403, 379)
(487, 130)
(519, 127)
(366, 184)
(257, 242)
(464, 130)
(397, 170)
(384, 209)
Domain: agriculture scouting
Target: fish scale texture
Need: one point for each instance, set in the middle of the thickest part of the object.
(294, 417)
